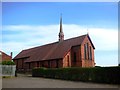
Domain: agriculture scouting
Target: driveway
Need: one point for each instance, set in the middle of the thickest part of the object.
(26, 81)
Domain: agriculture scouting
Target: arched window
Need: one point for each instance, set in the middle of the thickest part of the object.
(68, 60)
(85, 49)
(90, 53)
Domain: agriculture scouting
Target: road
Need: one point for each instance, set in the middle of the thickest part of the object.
(32, 82)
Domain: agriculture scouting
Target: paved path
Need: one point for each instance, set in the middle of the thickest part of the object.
(32, 82)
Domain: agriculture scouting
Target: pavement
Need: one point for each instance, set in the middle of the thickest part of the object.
(27, 81)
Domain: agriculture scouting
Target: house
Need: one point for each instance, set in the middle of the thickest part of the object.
(73, 52)
(5, 57)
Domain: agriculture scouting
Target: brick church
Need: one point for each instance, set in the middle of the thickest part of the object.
(73, 52)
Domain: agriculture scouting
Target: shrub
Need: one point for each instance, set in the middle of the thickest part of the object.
(37, 72)
(106, 75)
(96, 74)
(8, 63)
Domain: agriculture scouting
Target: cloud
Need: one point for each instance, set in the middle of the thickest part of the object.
(26, 36)
(105, 39)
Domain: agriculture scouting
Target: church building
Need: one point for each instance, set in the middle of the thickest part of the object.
(73, 52)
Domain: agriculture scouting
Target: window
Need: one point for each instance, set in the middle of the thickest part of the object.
(68, 60)
(90, 53)
(85, 51)
(74, 56)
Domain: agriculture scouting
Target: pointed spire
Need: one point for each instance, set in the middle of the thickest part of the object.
(61, 23)
(61, 34)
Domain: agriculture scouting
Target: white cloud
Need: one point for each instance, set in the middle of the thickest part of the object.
(105, 39)
(31, 36)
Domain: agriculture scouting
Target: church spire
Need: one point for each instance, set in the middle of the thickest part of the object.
(61, 34)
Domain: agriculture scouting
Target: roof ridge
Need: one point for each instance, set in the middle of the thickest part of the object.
(75, 37)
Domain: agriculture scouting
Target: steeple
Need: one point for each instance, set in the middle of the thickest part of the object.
(61, 34)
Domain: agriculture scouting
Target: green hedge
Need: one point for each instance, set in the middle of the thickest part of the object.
(7, 63)
(97, 74)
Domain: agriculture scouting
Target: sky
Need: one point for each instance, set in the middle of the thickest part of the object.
(30, 24)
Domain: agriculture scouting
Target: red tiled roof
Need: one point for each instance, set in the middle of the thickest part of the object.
(50, 51)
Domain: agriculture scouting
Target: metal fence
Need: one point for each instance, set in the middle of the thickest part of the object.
(7, 70)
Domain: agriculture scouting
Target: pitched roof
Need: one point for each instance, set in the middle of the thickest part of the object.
(1, 53)
(50, 51)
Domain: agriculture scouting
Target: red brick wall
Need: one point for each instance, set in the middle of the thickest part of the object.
(41, 64)
(70, 62)
(67, 60)
(87, 62)
(19, 63)
(46, 64)
(80, 60)
(33, 65)
(53, 64)
(60, 63)
(26, 65)
(76, 49)
(6, 57)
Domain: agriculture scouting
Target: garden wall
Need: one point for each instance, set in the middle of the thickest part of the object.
(7, 70)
